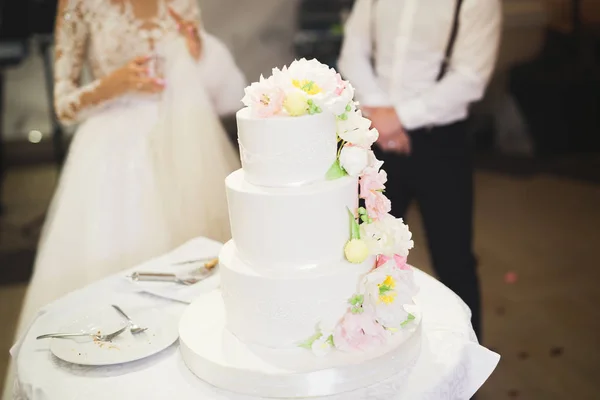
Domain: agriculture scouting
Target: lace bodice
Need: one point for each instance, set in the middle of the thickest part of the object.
(106, 34)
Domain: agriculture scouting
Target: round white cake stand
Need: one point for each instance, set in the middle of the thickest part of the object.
(216, 356)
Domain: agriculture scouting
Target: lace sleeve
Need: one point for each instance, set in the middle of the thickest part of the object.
(71, 99)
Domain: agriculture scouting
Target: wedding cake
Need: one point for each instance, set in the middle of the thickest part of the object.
(316, 297)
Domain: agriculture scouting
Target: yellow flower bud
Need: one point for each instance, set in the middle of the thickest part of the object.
(356, 251)
(295, 103)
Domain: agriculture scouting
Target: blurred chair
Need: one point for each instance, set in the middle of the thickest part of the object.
(320, 29)
(14, 33)
(23, 22)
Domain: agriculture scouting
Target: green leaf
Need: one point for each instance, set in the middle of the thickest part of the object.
(357, 300)
(357, 310)
(408, 320)
(307, 344)
(330, 340)
(354, 228)
(383, 289)
(362, 211)
(335, 171)
(313, 108)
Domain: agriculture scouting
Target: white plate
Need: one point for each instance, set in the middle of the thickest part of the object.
(162, 332)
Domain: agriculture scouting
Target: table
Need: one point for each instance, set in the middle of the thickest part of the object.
(452, 364)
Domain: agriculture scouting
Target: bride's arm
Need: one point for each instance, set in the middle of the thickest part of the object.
(71, 99)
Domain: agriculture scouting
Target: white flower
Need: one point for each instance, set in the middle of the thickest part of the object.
(323, 345)
(387, 290)
(374, 164)
(355, 129)
(388, 236)
(354, 159)
(340, 98)
(311, 76)
(282, 79)
(313, 70)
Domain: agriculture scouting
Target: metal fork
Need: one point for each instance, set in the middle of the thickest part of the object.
(103, 338)
(133, 327)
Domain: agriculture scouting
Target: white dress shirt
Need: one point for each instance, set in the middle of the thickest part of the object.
(407, 40)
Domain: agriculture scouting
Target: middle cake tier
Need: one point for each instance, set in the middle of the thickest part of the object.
(282, 229)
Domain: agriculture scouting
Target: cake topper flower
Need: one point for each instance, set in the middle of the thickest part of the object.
(264, 98)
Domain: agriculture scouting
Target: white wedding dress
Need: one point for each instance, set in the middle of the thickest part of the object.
(144, 174)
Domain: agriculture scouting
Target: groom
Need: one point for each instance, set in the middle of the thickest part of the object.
(416, 66)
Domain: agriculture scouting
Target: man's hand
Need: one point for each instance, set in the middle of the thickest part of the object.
(392, 136)
(384, 119)
(398, 142)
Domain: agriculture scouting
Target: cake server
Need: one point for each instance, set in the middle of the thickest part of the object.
(162, 277)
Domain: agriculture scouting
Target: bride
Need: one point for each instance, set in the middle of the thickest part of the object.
(146, 168)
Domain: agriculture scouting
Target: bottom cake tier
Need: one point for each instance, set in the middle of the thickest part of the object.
(216, 356)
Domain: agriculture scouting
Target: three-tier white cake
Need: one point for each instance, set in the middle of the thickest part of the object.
(316, 297)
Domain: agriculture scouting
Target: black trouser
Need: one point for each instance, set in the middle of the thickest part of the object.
(438, 174)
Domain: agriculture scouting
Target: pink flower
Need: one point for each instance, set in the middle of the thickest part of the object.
(377, 205)
(400, 262)
(358, 332)
(372, 181)
(341, 85)
(264, 98)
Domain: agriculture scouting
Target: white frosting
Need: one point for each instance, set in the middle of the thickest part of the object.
(283, 311)
(289, 228)
(219, 358)
(284, 151)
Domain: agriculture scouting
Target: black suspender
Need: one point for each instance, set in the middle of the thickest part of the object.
(451, 41)
(449, 47)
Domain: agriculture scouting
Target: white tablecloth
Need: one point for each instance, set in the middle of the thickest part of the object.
(452, 365)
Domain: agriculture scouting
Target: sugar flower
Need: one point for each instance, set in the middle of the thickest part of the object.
(356, 251)
(354, 159)
(372, 181)
(388, 236)
(295, 103)
(264, 97)
(309, 76)
(400, 261)
(341, 98)
(355, 129)
(358, 332)
(377, 204)
(387, 290)
(323, 345)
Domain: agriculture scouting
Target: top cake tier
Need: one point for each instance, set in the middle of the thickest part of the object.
(286, 151)
(289, 130)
